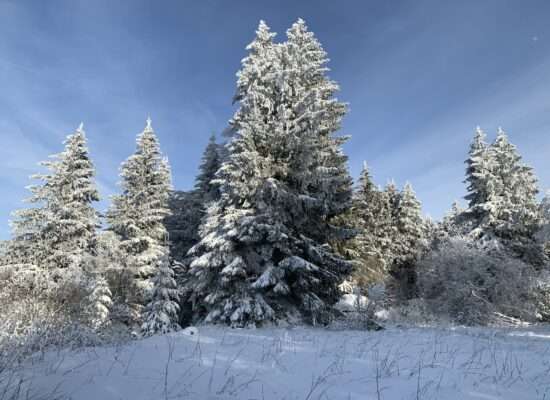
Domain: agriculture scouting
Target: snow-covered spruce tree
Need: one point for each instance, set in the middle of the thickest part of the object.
(137, 215)
(218, 282)
(259, 68)
(188, 211)
(502, 192)
(316, 171)
(61, 230)
(183, 222)
(4, 245)
(161, 313)
(454, 224)
(372, 217)
(407, 243)
(452, 218)
(110, 261)
(189, 208)
(478, 175)
(206, 188)
(543, 235)
(98, 303)
(544, 208)
(394, 196)
(58, 236)
(75, 221)
(27, 245)
(409, 221)
(316, 116)
(511, 202)
(108, 282)
(541, 292)
(512, 216)
(264, 254)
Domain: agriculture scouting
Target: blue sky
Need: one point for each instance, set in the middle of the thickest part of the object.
(419, 76)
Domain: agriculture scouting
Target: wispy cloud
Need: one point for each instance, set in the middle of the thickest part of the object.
(420, 75)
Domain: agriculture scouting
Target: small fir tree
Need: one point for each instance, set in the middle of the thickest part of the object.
(137, 215)
(161, 314)
(61, 229)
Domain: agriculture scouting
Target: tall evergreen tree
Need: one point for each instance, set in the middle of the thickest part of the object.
(316, 115)
(188, 209)
(478, 169)
(206, 188)
(544, 208)
(62, 228)
(28, 245)
(372, 217)
(183, 222)
(409, 231)
(409, 224)
(263, 254)
(511, 203)
(219, 274)
(137, 215)
(4, 245)
(256, 76)
(502, 191)
(392, 197)
(543, 235)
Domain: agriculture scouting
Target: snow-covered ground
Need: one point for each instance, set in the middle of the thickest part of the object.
(303, 363)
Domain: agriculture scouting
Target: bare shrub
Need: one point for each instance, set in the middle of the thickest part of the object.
(471, 285)
(40, 309)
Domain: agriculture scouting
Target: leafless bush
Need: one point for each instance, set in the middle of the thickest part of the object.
(34, 316)
(470, 285)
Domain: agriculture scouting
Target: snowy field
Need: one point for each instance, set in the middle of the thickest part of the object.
(302, 363)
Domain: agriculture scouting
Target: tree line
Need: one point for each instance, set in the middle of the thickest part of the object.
(275, 228)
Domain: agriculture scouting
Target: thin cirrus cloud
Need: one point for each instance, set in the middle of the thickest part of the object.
(419, 76)
(520, 105)
(432, 75)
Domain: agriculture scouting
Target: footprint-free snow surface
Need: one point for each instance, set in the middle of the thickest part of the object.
(302, 363)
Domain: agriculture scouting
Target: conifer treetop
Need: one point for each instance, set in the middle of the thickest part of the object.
(61, 228)
(148, 126)
(263, 34)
